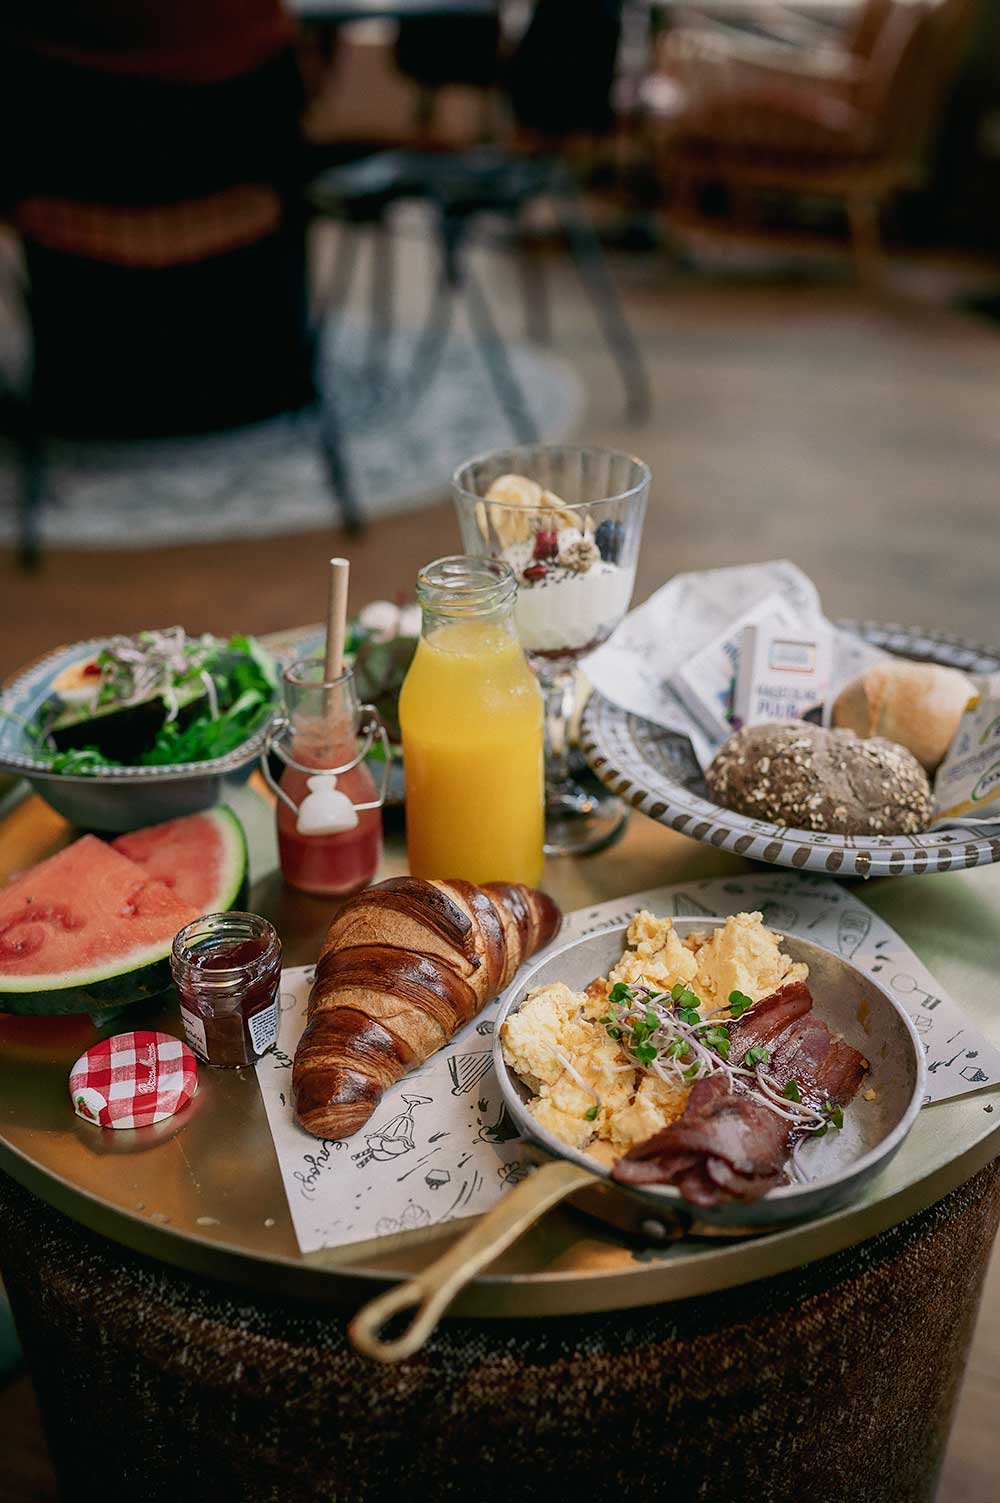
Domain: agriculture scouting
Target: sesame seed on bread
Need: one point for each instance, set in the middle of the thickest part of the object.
(808, 778)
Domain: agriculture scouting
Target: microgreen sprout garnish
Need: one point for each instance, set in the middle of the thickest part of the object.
(578, 1079)
(717, 1038)
(665, 1034)
(833, 1117)
(590, 1115)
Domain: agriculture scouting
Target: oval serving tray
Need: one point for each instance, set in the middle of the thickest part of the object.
(655, 771)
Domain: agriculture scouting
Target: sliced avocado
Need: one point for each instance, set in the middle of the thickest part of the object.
(124, 733)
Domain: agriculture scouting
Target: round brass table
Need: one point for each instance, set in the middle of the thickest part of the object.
(166, 1310)
(203, 1191)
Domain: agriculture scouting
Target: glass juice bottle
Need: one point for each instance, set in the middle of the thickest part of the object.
(471, 717)
(323, 719)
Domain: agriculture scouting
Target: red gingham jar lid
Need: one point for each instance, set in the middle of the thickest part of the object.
(133, 1080)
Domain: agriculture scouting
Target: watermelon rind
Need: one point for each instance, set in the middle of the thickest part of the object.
(143, 973)
(234, 885)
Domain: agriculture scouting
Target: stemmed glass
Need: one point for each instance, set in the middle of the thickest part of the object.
(567, 518)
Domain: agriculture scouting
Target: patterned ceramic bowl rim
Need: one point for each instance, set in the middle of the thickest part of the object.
(33, 678)
(612, 741)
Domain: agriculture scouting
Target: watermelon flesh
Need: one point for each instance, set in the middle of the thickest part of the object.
(84, 931)
(202, 858)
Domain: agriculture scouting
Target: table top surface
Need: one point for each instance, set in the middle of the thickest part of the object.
(203, 1190)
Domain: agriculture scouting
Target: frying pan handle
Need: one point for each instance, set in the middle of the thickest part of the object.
(432, 1290)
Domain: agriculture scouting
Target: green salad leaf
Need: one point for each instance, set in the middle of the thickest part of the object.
(245, 680)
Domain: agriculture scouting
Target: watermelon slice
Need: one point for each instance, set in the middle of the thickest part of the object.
(202, 858)
(84, 931)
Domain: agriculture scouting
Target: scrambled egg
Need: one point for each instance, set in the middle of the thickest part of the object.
(555, 1044)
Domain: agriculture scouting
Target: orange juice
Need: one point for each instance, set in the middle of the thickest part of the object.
(471, 716)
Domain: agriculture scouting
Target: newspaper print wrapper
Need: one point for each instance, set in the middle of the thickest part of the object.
(967, 785)
(644, 668)
(440, 1145)
(654, 643)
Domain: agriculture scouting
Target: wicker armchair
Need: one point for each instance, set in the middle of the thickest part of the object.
(844, 120)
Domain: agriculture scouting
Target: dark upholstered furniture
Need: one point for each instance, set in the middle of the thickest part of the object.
(834, 1382)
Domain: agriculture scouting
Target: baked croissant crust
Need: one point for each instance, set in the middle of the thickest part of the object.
(405, 964)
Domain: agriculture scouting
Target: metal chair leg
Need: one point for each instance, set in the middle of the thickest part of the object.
(491, 346)
(377, 357)
(534, 292)
(330, 433)
(334, 452)
(494, 353)
(31, 448)
(434, 335)
(332, 299)
(588, 256)
(432, 340)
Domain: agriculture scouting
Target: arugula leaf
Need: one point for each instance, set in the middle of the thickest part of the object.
(81, 759)
(245, 679)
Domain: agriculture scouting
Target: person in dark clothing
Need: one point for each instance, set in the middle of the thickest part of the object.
(153, 172)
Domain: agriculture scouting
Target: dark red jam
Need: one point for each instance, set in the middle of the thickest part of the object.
(227, 971)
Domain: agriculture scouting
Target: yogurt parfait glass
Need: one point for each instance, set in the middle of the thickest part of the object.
(567, 518)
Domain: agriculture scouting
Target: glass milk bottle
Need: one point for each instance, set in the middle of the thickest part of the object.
(471, 717)
(329, 810)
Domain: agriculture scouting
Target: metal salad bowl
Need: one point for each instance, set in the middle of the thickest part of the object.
(839, 1165)
(114, 799)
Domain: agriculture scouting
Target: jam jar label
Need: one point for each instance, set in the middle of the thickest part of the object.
(194, 1032)
(263, 1028)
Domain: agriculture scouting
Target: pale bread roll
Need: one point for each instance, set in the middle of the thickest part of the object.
(917, 705)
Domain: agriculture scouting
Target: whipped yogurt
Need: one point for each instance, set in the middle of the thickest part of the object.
(568, 612)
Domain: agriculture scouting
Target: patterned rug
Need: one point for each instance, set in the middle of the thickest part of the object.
(267, 479)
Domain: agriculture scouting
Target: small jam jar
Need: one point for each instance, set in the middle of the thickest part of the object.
(227, 970)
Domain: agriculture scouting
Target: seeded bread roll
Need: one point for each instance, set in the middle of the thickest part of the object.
(809, 778)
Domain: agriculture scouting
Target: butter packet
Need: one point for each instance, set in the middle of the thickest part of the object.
(706, 683)
(784, 673)
(968, 780)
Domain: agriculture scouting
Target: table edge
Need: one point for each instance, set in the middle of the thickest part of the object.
(504, 1296)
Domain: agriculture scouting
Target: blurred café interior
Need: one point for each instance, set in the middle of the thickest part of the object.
(271, 270)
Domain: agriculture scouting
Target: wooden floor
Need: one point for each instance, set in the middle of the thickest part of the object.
(807, 420)
(858, 437)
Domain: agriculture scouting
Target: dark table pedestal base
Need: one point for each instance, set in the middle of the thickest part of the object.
(835, 1382)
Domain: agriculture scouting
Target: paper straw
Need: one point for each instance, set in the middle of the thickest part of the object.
(336, 619)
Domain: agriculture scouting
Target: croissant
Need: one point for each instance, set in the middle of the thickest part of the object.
(404, 965)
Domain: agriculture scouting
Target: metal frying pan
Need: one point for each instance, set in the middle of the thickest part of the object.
(850, 1002)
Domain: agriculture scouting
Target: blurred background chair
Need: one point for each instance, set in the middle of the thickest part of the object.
(557, 83)
(157, 198)
(754, 120)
